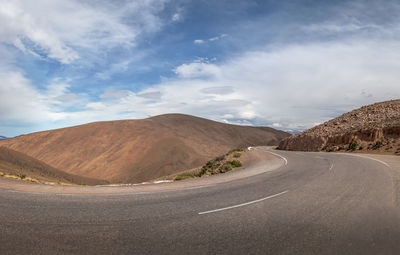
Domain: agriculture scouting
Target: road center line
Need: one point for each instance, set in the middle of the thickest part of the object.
(282, 157)
(244, 204)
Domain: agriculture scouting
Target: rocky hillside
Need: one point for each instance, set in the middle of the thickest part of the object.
(374, 127)
(131, 151)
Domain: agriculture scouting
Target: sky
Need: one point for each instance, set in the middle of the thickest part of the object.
(285, 64)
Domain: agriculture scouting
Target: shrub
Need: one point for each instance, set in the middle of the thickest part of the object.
(329, 149)
(235, 150)
(353, 145)
(377, 145)
(202, 171)
(237, 155)
(184, 176)
(225, 168)
(234, 163)
(22, 176)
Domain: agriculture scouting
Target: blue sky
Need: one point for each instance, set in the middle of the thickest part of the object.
(284, 64)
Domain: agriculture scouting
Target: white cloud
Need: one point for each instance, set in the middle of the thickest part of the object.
(61, 29)
(197, 69)
(21, 101)
(96, 106)
(212, 39)
(178, 15)
(291, 88)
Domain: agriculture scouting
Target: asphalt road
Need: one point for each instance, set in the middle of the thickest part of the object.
(317, 203)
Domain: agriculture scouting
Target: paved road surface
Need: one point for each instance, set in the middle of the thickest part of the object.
(317, 203)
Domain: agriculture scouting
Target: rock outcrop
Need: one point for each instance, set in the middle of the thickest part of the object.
(374, 127)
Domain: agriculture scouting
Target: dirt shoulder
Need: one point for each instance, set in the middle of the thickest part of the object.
(255, 162)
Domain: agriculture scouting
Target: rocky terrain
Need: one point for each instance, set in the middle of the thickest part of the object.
(132, 151)
(373, 128)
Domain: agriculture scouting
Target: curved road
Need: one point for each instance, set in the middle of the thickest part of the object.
(314, 203)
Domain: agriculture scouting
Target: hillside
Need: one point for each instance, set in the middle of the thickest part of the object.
(19, 164)
(131, 151)
(372, 128)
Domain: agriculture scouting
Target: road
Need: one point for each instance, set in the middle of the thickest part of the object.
(313, 203)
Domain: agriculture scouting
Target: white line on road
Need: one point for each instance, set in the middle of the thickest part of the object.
(244, 204)
(380, 161)
(331, 167)
(282, 157)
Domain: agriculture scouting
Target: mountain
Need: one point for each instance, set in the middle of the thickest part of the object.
(374, 127)
(131, 151)
(3, 137)
(19, 164)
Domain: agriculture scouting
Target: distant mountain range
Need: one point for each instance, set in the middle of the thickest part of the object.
(133, 151)
(3, 137)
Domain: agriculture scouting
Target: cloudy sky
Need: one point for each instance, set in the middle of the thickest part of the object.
(284, 64)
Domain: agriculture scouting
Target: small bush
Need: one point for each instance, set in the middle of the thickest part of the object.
(353, 145)
(234, 163)
(340, 148)
(22, 176)
(184, 176)
(329, 149)
(225, 168)
(202, 171)
(377, 145)
(235, 150)
(237, 155)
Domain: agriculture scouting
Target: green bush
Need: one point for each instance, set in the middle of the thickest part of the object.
(234, 163)
(353, 145)
(22, 176)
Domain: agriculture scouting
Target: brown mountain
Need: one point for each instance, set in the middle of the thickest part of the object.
(374, 127)
(130, 151)
(19, 164)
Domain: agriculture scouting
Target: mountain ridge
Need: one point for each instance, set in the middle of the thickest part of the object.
(131, 151)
